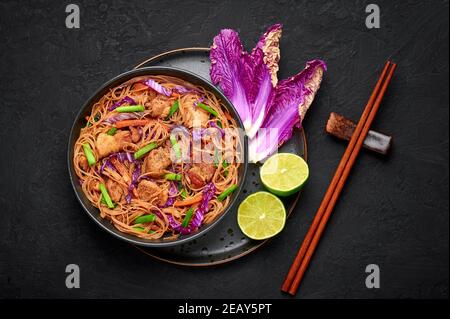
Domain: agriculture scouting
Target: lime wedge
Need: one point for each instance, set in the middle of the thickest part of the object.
(284, 173)
(261, 215)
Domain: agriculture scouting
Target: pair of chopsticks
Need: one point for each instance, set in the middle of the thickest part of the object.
(301, 261)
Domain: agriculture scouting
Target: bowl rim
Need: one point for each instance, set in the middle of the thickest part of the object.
(87, 105)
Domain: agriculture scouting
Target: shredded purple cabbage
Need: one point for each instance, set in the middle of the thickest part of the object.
(214, 124)
(197, 134)
(200, 100)
(124, 116)
(158, 87)
(180, 128)
(208, 193)
(121, 156)
(147, 178)
(173, 191)
(182, 90)
(107, 163)
(126, 99)
(134, 181)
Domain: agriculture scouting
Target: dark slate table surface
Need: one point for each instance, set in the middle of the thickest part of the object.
(393, 211)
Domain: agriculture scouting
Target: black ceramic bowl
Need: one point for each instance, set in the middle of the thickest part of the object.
(79, 122)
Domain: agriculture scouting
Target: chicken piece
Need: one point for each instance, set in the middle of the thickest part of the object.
(156, 162)
(196, 117)
(200, 174)
(151, 192)
(84, 163)
(135, 136)
(122, 137)
(159, 106)
(107, 144)
(115, 191)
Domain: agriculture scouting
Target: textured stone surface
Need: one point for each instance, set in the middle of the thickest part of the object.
(393, 211)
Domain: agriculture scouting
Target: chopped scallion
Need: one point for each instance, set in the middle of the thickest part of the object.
(142, 151)
(130, 108)
(187, 217)
(106, 197)
(226, 192)
(89, 154)
(173, 109)
(208, 108)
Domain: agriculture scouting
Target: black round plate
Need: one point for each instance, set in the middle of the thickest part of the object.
(225, 242)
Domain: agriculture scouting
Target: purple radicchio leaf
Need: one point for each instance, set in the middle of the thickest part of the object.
(293, 96)
(125, 100)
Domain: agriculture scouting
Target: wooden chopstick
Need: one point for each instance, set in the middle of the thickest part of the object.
(314, 233)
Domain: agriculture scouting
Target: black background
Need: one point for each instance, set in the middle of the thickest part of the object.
(393, 211)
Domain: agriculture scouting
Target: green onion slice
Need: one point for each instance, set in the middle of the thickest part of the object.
(226, 192)
(172, 177)
(112, 131)
(130, 108)
(173, 109)
(216, 157)
(187, 217)
(89, 154)
(106, 197)
(175, 145)
(207, 108)
(142, 151)
(141, 229)
(145, 219)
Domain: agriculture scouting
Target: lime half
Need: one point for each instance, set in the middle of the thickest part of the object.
(261, 215)
(284, 173)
